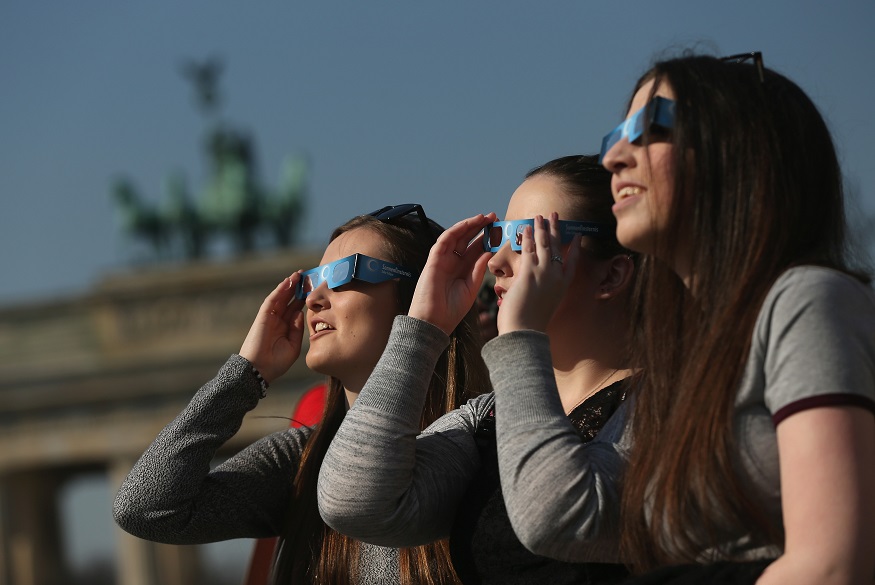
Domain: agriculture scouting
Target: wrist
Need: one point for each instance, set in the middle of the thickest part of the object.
(430, 319)
(261, 381)
(511, 325)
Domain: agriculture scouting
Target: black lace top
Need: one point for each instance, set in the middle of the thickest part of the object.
(483, 545)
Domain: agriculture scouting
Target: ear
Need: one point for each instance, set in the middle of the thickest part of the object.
(618, 276)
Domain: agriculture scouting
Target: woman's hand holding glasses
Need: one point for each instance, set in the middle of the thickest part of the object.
(543, 277)
(273, 343)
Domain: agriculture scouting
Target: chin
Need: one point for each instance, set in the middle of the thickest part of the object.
(319, 364)
(633, 239)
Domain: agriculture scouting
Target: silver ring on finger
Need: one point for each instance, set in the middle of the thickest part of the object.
(556, 258)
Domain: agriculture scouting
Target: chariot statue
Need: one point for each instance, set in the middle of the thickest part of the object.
(233, 203)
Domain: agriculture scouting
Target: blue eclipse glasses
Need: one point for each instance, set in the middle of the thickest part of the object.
(498, 232)
(343, 271)
(658, 112)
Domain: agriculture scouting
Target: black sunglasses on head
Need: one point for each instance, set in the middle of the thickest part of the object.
(755, 56)
(391, 212)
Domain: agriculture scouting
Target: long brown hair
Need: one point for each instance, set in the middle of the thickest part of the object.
(758, 190)
(311, 552)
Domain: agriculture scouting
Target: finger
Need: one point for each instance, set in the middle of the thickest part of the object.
(479, 271)
(555, 237)
(457, 238)
(281, 303)
(294, 304)
(469, 225)
(527, 247)
(472, 257)
(542, 240)
(283, 299)
(291, 310)
(297, 327)
(473, 239)
(272, 302)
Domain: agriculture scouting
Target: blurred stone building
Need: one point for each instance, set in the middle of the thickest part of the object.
(87, 382)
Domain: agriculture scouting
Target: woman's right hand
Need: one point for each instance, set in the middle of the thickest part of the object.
(451, 278)
(273, 343)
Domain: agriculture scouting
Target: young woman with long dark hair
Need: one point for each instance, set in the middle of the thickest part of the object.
(367, 276)
(752, 438)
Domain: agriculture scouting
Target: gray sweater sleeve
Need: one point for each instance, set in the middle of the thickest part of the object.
(172, 496)
(562, 494)
(382, 481)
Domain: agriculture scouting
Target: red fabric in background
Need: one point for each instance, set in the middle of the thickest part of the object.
(309, 409)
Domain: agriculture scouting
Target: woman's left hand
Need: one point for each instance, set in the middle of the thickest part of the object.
(452, 275)
(540, 283)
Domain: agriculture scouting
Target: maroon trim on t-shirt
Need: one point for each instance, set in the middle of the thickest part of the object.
(824, 400)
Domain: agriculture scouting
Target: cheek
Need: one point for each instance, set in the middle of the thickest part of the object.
(513, 260)
(378, 315)
(501, 260)
(586, 273)
(510, 262)
(664, 197)
(372, 334)
(662, 173)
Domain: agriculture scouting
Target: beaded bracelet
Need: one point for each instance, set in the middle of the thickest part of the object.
(261, 381)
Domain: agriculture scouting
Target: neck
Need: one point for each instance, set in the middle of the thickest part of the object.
(351, 395)
(352, 388)
(687, 278)
(584, 364)
(354, 379)
(577, 385)
(681, 265)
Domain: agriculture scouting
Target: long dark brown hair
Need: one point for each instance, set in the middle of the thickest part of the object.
(758, 189)
(311, 552)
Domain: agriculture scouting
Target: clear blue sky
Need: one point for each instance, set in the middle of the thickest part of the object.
(444, 103)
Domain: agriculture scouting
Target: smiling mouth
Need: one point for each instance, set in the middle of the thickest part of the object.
(629, 192)
(322, 326)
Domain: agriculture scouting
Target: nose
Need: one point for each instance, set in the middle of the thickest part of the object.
(619, 156)
(318, 299)
(500, 263)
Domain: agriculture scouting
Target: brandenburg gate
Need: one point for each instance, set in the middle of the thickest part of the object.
(87, 382)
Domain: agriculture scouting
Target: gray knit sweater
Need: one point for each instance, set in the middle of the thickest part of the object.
(411, 496)
(172, 496)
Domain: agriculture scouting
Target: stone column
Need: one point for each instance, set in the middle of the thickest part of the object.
(5, 568)
(141, 562)
(178, 565)
(32, 551)
(135, 562)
